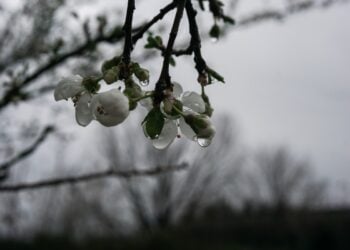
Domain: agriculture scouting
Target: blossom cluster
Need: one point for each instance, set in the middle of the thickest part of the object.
(178, 112)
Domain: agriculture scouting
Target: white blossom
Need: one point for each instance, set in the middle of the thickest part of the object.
(69, 87)
(192, 104)
(110, 108)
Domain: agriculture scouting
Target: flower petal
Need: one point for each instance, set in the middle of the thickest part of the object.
(186, 129)
(193, 101)
(110, 108)
(177, 90)
(167, 136)
(147, 103)
(83, 113)
(68, 87)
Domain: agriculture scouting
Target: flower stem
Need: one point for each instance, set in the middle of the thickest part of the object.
(178, 110)
(142, 97)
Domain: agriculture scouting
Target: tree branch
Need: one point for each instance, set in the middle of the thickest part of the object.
(127, 28)
(110, 173)
(25, 153)
(164, 78)
(195, 44)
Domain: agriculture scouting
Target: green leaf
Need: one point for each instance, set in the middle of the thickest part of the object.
(172, 61)
(214, 74)
(228, 19)
(215, 31)
(154, 122)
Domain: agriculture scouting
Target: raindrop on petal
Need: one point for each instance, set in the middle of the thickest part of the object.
(203, 142)
(167, 136)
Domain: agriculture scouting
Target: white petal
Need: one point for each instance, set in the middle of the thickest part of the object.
(147, 103)
(177, 90)
(83, 113)
(186, 129)
(193, 101)
(114, 106)
(68, 87)
(167, 136)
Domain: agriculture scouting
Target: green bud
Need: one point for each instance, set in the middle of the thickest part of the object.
(142, 75)
(111, 75)
(215, 31)
(132, 91)
(108, 64)
(91, 84)
(201, 125)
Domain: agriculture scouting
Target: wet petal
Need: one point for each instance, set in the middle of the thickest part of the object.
(147, 103)
(177, 90)
(186, 129)
(193, 101)
(68, 87)
(110, 108)
(167, 136)
(83, 113)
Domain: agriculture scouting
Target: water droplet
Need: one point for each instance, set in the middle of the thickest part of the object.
(160, 143)
(144, 83)
(214, 40)
(203, 142)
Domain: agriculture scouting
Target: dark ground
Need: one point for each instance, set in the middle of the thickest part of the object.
(244, 231)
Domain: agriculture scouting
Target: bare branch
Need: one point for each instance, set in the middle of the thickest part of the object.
(110, 173)
(25, 153)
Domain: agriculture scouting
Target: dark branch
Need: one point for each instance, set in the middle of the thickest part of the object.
(25, 153)
(15, 91)
(195, 44)
(127, 28)
(164, 78)
(90, 177)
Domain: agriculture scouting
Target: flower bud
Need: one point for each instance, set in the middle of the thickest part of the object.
(91, 84)
(111, 75)
(110, 108)
(201, 125)
(142, 75)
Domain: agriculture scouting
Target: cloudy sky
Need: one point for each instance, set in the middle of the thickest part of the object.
(289, 83)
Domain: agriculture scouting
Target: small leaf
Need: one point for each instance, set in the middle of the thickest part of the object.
(228, 19)
(216, 75)
(215, 31)
(154, 122)
(172, 61)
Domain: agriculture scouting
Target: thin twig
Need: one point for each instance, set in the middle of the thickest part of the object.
(26, 152)
(195, 44)
(110, 173)
(164, 78)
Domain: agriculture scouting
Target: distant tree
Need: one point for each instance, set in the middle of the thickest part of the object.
(280, 181)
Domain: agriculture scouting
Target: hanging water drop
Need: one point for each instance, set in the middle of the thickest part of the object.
(144, 83)
(203, 142)
(214, 40)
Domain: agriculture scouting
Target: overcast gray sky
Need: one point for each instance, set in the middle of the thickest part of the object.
(289, 84)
